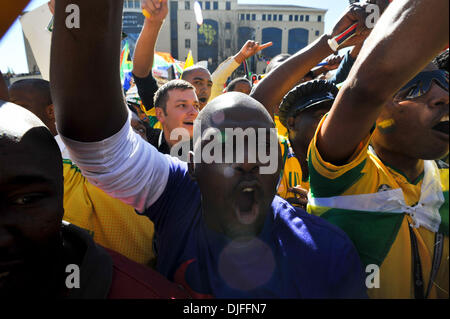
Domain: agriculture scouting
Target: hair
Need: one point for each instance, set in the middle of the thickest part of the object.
(232, 84)
(288, 108)
(42, 87)
(194, 68)
(277, 60)
(441, 61)
(162, 95)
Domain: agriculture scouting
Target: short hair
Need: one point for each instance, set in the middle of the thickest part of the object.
(441, 61)
(162, 95)
(314, 93)
(42, 87)
(232, 84)
(277, 60)
(192, 69)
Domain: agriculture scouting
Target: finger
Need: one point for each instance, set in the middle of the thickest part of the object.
(266, 45)
(299, 191)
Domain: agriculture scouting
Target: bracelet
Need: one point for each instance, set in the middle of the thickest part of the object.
(333, 44)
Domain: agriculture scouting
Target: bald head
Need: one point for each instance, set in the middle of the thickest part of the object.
(234, 108)
(35, 96)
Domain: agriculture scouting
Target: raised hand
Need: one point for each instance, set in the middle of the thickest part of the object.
(51, 6)
(155, 10)
(249, 49)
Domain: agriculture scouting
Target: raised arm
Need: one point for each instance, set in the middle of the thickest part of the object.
(226, 68)
(271, 90)
(84, 69)
(145, 46)
(408, 35)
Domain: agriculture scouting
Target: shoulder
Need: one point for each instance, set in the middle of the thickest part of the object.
(311, 229)
(132, 280)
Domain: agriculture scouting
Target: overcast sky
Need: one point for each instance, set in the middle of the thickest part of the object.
(12, 50)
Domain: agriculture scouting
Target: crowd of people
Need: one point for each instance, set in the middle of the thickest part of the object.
(99, 199)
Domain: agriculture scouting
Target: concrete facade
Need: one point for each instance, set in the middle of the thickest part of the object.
(227, 25)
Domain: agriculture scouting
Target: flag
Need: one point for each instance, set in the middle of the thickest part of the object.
(189, 61)
(126, 65)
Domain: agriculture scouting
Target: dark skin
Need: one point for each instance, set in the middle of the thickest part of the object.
(34, 101)
(301, 131)
(243, 87)
(3, 89)
(201, 79)
(222, 202)
(80, 119)
(412, 28)
(32, 258)
(288, 74)
(10, 11)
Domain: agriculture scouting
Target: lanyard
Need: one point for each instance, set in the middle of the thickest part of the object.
(417, 266)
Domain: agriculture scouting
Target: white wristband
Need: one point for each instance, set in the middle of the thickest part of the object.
(333, 44)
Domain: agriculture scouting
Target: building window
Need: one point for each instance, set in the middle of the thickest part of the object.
(275, 17)
(228, 5)
(264, 17)
(130, 3)
(242, 17)
(253, 17)
(280, 17)
(228, 44)
(187, 26)
(228, 26)
(187, 43)
(319, 18)
(248, 17)
(317, 33)
(137, 4)
(125, 4)
(207, 5)
(302, 18)
(215, 5)
(201, 4)
(296, 17)
(187, 5)
(307, 18)
(291, 17)
(269, 17)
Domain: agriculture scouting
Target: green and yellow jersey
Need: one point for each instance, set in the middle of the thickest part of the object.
(291, 173)
(111, 223)
(375, 204)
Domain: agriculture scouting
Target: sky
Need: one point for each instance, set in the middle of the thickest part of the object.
(12, 49)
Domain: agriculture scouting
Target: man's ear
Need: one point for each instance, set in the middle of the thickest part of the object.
(191, 166)
(50, 112)
(160, 114)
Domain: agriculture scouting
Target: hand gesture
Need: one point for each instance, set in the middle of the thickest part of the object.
(333, 62)
(249, 49)
(301, 197)
(155, 10)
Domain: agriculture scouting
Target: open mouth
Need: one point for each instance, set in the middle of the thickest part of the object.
(188, 123)
(442, 126)
(247, 207)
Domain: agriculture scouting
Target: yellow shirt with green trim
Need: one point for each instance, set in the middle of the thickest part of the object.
(374, 204)
(110, 222)
(291, 174)
(282, 130)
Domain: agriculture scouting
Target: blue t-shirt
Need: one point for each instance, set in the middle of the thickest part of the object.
(296, 255)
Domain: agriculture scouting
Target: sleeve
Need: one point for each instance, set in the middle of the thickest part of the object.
(328, 180)
(344, 69)
(220, 76)
(147, 88)
(124, 166)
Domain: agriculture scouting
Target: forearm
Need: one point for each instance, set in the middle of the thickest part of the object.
(288, 74)
(221, 74)
(145, 48)
(84, 70)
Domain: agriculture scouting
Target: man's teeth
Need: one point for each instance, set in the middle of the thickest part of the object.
(248, 190)
(445, 118)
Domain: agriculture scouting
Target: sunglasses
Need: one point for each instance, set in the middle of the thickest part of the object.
(422, 83)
